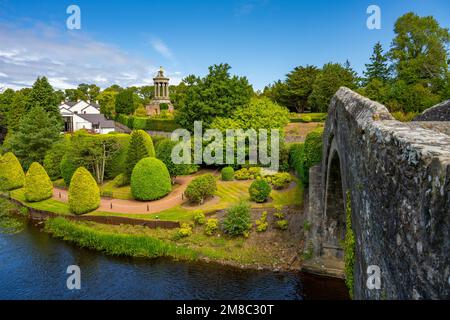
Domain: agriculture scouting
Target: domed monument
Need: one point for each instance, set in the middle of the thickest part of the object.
(161, 100)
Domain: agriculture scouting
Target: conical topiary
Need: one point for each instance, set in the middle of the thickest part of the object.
(84, 194)
(11, 172)
(140, 147)
(38, 185)
(150, 180)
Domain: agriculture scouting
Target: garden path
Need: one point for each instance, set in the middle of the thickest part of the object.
(173, 199)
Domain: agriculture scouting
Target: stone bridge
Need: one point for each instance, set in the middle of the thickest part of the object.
(397, 177)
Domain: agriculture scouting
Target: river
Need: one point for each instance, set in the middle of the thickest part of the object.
(33, 265)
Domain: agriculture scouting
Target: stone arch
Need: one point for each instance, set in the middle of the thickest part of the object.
(334, 210)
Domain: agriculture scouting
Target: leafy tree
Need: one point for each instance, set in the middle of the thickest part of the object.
(42, 95)
(146, 93)
(164, 153)
(107, 101)
(93, 152)
(419, 50)
(216, 95)
(378, 68)
(277, 92)
(35, 136)
(299, 87)
(125, 103)
(6, 99)
(19, 107)
(260, 113)
(328, 81)
(178, 95)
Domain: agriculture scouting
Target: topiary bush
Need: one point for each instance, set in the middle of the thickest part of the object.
(11, 172)
(84, 193)
(68, 168)
(237, 220)
(140, 147)
(259, 190)
(227, 174)
(38, 185)
(150, 180)
(201, 188)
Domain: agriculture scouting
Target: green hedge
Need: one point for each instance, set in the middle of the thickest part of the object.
(117, 164)
(259, 190)
(149, 124)
(38, 185)
(11, 172)
(303, 156)
(84, 194)
(150, 180)
(308, 117)
(164, 153)
(201, 188)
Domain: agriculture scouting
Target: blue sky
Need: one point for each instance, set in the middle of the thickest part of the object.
(125, 42)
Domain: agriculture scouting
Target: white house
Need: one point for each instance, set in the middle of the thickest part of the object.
(85, 115)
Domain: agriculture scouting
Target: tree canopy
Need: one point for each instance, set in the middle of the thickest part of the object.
(217, 94)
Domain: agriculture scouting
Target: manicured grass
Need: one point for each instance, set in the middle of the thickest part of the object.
(110, 190)
(50, 205)
(173, 214)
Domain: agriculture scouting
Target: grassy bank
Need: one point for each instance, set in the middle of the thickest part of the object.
(257, 251)
(124, 244)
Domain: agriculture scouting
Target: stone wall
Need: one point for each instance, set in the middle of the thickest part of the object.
(398, 176)
(440, 112)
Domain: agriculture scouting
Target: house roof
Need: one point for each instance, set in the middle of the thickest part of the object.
(96, 106)
(98, 119)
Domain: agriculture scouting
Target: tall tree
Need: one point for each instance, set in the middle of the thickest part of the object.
(19, 107)
(125, 103)
(378, 67)
(36, 134)
(328, 81)
(216, 95)
(107, 101)
(419, 50)
(42, 95)
(137, 150)
(299, 84)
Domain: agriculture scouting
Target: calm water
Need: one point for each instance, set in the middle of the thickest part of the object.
(33, 266)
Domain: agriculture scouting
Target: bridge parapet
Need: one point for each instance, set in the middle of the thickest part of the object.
(398, 178)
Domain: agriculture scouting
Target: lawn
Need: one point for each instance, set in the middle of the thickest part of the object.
(109, 189)
(50, 205)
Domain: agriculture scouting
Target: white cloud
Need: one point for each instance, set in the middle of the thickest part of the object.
(162, 48)
(69, 58)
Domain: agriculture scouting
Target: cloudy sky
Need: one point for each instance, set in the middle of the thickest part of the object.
(125, 42)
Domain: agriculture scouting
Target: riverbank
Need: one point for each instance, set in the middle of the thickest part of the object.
(272, 250)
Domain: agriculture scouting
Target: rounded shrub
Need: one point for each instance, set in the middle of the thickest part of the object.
(68, 168)
(150, 180)
(199, 217)
(201, 188)
(11, 172)
(38, 185)
(227, 174)
(84, 194)
(212, 225)
(259, 190)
